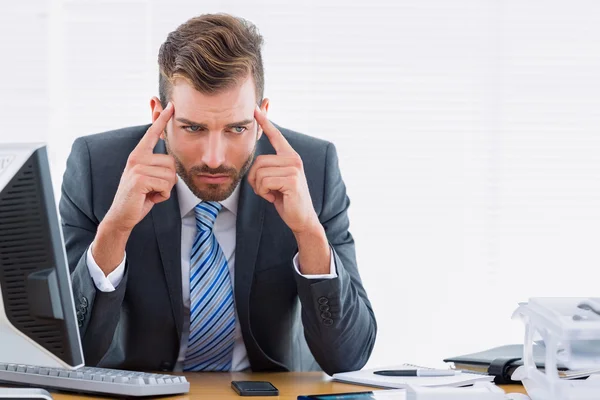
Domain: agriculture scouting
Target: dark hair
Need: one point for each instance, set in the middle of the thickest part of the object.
(213, 52)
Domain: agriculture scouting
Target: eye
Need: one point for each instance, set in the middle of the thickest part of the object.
(239, 129)
(192, 128)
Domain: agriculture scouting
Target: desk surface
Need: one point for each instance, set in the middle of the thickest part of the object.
(210, 385)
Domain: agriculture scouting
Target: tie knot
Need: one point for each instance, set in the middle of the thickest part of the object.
(206, 214)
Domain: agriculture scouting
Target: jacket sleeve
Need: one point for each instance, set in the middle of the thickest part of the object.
(98, 313)
(339, 323)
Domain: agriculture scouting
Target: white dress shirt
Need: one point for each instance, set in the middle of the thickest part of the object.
(224, 230)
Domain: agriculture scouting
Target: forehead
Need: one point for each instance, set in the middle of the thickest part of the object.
(236, 102)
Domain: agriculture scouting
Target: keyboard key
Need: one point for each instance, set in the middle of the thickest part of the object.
(11, 367)
(121, 379)
(97, 377)
(53, 372)
(150, 381)
(43, 371)
(3, 367)
(76, 375)
(21, 368)
(32, 369)
(63, 374)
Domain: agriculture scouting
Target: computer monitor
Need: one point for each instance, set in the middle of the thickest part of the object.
(38, 325)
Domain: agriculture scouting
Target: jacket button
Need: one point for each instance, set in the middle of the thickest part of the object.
(166, 366)
(80, 319)
(323, 300)
(324, 307)
(84, 302)
(328, 321)
(326, 315)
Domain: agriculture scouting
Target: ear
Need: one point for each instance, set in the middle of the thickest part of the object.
(156, 108)
(264, 107)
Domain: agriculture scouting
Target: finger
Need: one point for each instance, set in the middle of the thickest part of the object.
(263, 173)
(279, 143)
(150, 184)
(161, 160)
(157, 160)
(158, 198)
(159, 172)
(270, 197)
(272, 161)
(153, 133)
(272, 183)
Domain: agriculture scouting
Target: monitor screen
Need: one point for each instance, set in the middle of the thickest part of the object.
(38, 325)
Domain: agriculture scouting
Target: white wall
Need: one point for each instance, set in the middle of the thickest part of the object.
(467, 133)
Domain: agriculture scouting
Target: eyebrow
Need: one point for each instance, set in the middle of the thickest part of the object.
(231, 125)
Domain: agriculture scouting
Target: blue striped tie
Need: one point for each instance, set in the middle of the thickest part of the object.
(212, 313)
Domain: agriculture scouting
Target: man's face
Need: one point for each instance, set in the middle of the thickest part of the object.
(212, 137)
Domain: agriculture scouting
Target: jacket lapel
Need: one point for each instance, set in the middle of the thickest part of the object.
(249, 225)
(167, 227)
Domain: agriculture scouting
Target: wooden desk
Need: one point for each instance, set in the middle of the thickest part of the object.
(210, 385)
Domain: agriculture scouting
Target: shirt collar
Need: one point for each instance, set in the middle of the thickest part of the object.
(188, 200)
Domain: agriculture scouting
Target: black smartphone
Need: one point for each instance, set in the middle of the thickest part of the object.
(254, 388)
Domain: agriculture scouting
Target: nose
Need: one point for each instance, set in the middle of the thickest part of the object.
(214, 154)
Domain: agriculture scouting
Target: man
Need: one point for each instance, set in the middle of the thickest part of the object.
(223, 246)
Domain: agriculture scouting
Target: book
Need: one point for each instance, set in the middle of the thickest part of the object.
(506, 360)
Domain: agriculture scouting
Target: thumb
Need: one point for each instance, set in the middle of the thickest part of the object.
(270, 197)
(158, 198)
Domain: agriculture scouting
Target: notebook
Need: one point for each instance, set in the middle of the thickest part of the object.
(368, 378)
(508, 359)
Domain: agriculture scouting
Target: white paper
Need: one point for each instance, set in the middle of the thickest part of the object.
(368, 378)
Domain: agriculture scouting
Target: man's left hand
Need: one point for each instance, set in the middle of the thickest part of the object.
(280, 180)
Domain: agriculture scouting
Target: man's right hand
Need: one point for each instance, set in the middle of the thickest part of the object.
(147, 180)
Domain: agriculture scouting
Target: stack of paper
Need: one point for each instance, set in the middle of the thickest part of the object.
(368, 378)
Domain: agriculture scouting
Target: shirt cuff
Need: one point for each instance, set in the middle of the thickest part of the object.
(332, 271)
(105, 283)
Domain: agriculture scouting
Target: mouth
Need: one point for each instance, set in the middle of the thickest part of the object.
(213, 179)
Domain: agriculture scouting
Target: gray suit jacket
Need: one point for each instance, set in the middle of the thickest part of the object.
(287, 321)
